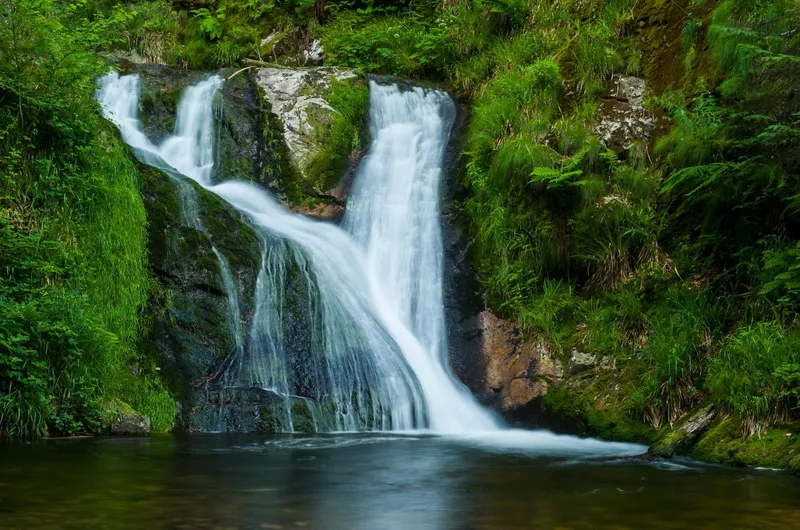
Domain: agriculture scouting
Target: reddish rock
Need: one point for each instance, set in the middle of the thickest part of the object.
(517, 370)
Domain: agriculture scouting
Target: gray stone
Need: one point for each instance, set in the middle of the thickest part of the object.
(131, 424)
(580, 362)
(298, 99)
(622, 118)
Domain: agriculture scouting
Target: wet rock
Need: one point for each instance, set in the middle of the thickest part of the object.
(461, 293)
(622, 118)
(580, 362)
(517, 371)
(685, 433)
(189, 328)
(243, 410)
(131, 424)
(249, 141)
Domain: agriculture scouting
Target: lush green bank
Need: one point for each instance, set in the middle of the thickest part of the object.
(74, 271)
(671, 249)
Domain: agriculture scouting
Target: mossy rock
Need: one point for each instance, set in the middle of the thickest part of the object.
(597, 403)
(724, 443)
(322, 112)
(275, 419)
(189, 328)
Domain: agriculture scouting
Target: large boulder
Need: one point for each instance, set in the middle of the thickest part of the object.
(300, 100)
(131, 424)
(190, 329)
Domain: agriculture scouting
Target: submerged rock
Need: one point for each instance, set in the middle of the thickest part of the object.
(131, 424)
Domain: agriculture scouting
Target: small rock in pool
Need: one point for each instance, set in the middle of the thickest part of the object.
(131, 424)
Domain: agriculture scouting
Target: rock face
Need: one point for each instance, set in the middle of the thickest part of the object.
(517, 371)
(190, 330)
(250, 144)
(622, 118)
(298, 99)
(461, 295)
(131, 424)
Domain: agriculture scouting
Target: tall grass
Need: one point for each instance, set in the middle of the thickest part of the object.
(756, 375)
(679, 340)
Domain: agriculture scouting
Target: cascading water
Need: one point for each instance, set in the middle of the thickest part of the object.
(378, 357)
(393, 212)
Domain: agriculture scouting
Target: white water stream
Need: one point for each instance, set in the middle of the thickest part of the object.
(378, 359)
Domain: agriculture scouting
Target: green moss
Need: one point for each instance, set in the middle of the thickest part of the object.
(339, 134)
(598, 403)
(724, 444)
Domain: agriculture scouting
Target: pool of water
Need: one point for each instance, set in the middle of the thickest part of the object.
(513, 480)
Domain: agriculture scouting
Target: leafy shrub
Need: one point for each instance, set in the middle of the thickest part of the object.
(72, 221)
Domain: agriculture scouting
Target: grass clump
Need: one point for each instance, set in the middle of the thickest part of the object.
(756, 375)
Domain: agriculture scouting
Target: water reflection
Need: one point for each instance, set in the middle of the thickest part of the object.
(371, 482)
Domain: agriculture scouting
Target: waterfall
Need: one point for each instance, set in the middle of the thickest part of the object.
(393, 213)
(374, 289)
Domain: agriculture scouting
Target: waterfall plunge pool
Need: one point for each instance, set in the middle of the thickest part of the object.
(376, 481)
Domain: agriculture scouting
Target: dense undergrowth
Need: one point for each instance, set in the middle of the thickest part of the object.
(72, 233)
(678, 255)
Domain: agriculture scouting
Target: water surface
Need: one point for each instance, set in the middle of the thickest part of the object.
(376, 482)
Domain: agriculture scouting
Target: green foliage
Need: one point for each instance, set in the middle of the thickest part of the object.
(679, 338)
(756, 375)
(210, 24)
(407, 46)
(72, 219)
(152, 31)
